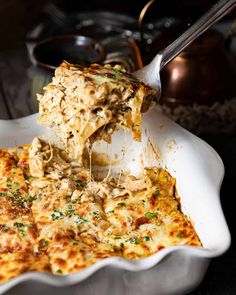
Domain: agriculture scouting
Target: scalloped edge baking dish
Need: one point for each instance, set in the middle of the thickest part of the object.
(199, 173)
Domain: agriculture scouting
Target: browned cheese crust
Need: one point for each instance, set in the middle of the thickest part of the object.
(53, 217)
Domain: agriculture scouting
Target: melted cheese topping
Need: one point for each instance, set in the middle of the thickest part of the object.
(53, 218)
(57, 217)
(90, 103)
(19, 248)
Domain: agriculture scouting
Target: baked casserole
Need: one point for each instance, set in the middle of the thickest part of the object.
(55, 214)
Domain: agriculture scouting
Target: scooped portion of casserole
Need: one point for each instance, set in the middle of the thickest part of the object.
(57, 217)
(91, 102)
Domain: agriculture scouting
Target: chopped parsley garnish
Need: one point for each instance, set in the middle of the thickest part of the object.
(111, 211)
(56, 215)
(156, 193)
(96, 214)
(133, 241)
(18, 224)
(69, 210)
(19, 202)
(46, 205)
(146, 238)
(29, 198)
(79, 183)
(4, 228)
(3, 194)
(121, 245)
(117, 238)
(121, 204)
(15, 184)
(43, 243)
(151, 215)
(180, 235)
(30, 178)
(75, 244)
(80, 220)
(117, 74)
(59, 271)
(22, 232)
(8, 181)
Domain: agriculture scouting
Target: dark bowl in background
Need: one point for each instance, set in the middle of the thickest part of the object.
(76, 49)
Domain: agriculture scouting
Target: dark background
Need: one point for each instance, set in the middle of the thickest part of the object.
(18, 17)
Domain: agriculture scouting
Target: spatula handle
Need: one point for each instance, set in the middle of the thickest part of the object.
(220, 9)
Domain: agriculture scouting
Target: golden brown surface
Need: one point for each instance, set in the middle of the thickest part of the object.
(59, 220)
(19, 249)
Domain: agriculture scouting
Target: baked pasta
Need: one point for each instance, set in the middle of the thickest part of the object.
(90, 103)
(54, 217)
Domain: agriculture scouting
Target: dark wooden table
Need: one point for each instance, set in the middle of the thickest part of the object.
(16, 101)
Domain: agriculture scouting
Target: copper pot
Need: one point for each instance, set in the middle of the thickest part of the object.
(204, 73)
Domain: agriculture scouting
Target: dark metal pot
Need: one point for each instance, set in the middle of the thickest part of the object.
(204, 73)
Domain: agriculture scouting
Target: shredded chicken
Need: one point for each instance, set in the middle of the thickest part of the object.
(91, 103)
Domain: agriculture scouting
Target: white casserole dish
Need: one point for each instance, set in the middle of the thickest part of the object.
(175, 270)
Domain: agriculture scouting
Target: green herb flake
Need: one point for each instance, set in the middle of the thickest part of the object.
(133, 241)
(4, 228)
(30, 178)
(96, 214)
(18, 224)
(46, 205)
(22, 232)
(43, 243)
(146, 238)
(121, 245)
(117, 74)
(69, 210)
(111, 211)
(8, 181)
(19, 202)
(80, 220)
(3, 194)
(180, 235)
(56, 215)
(75, 244)
(121, 204)
(29, 198)
(59, 271)
(15, 184)
(156, 193)
(151, 215)
(79, 183)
